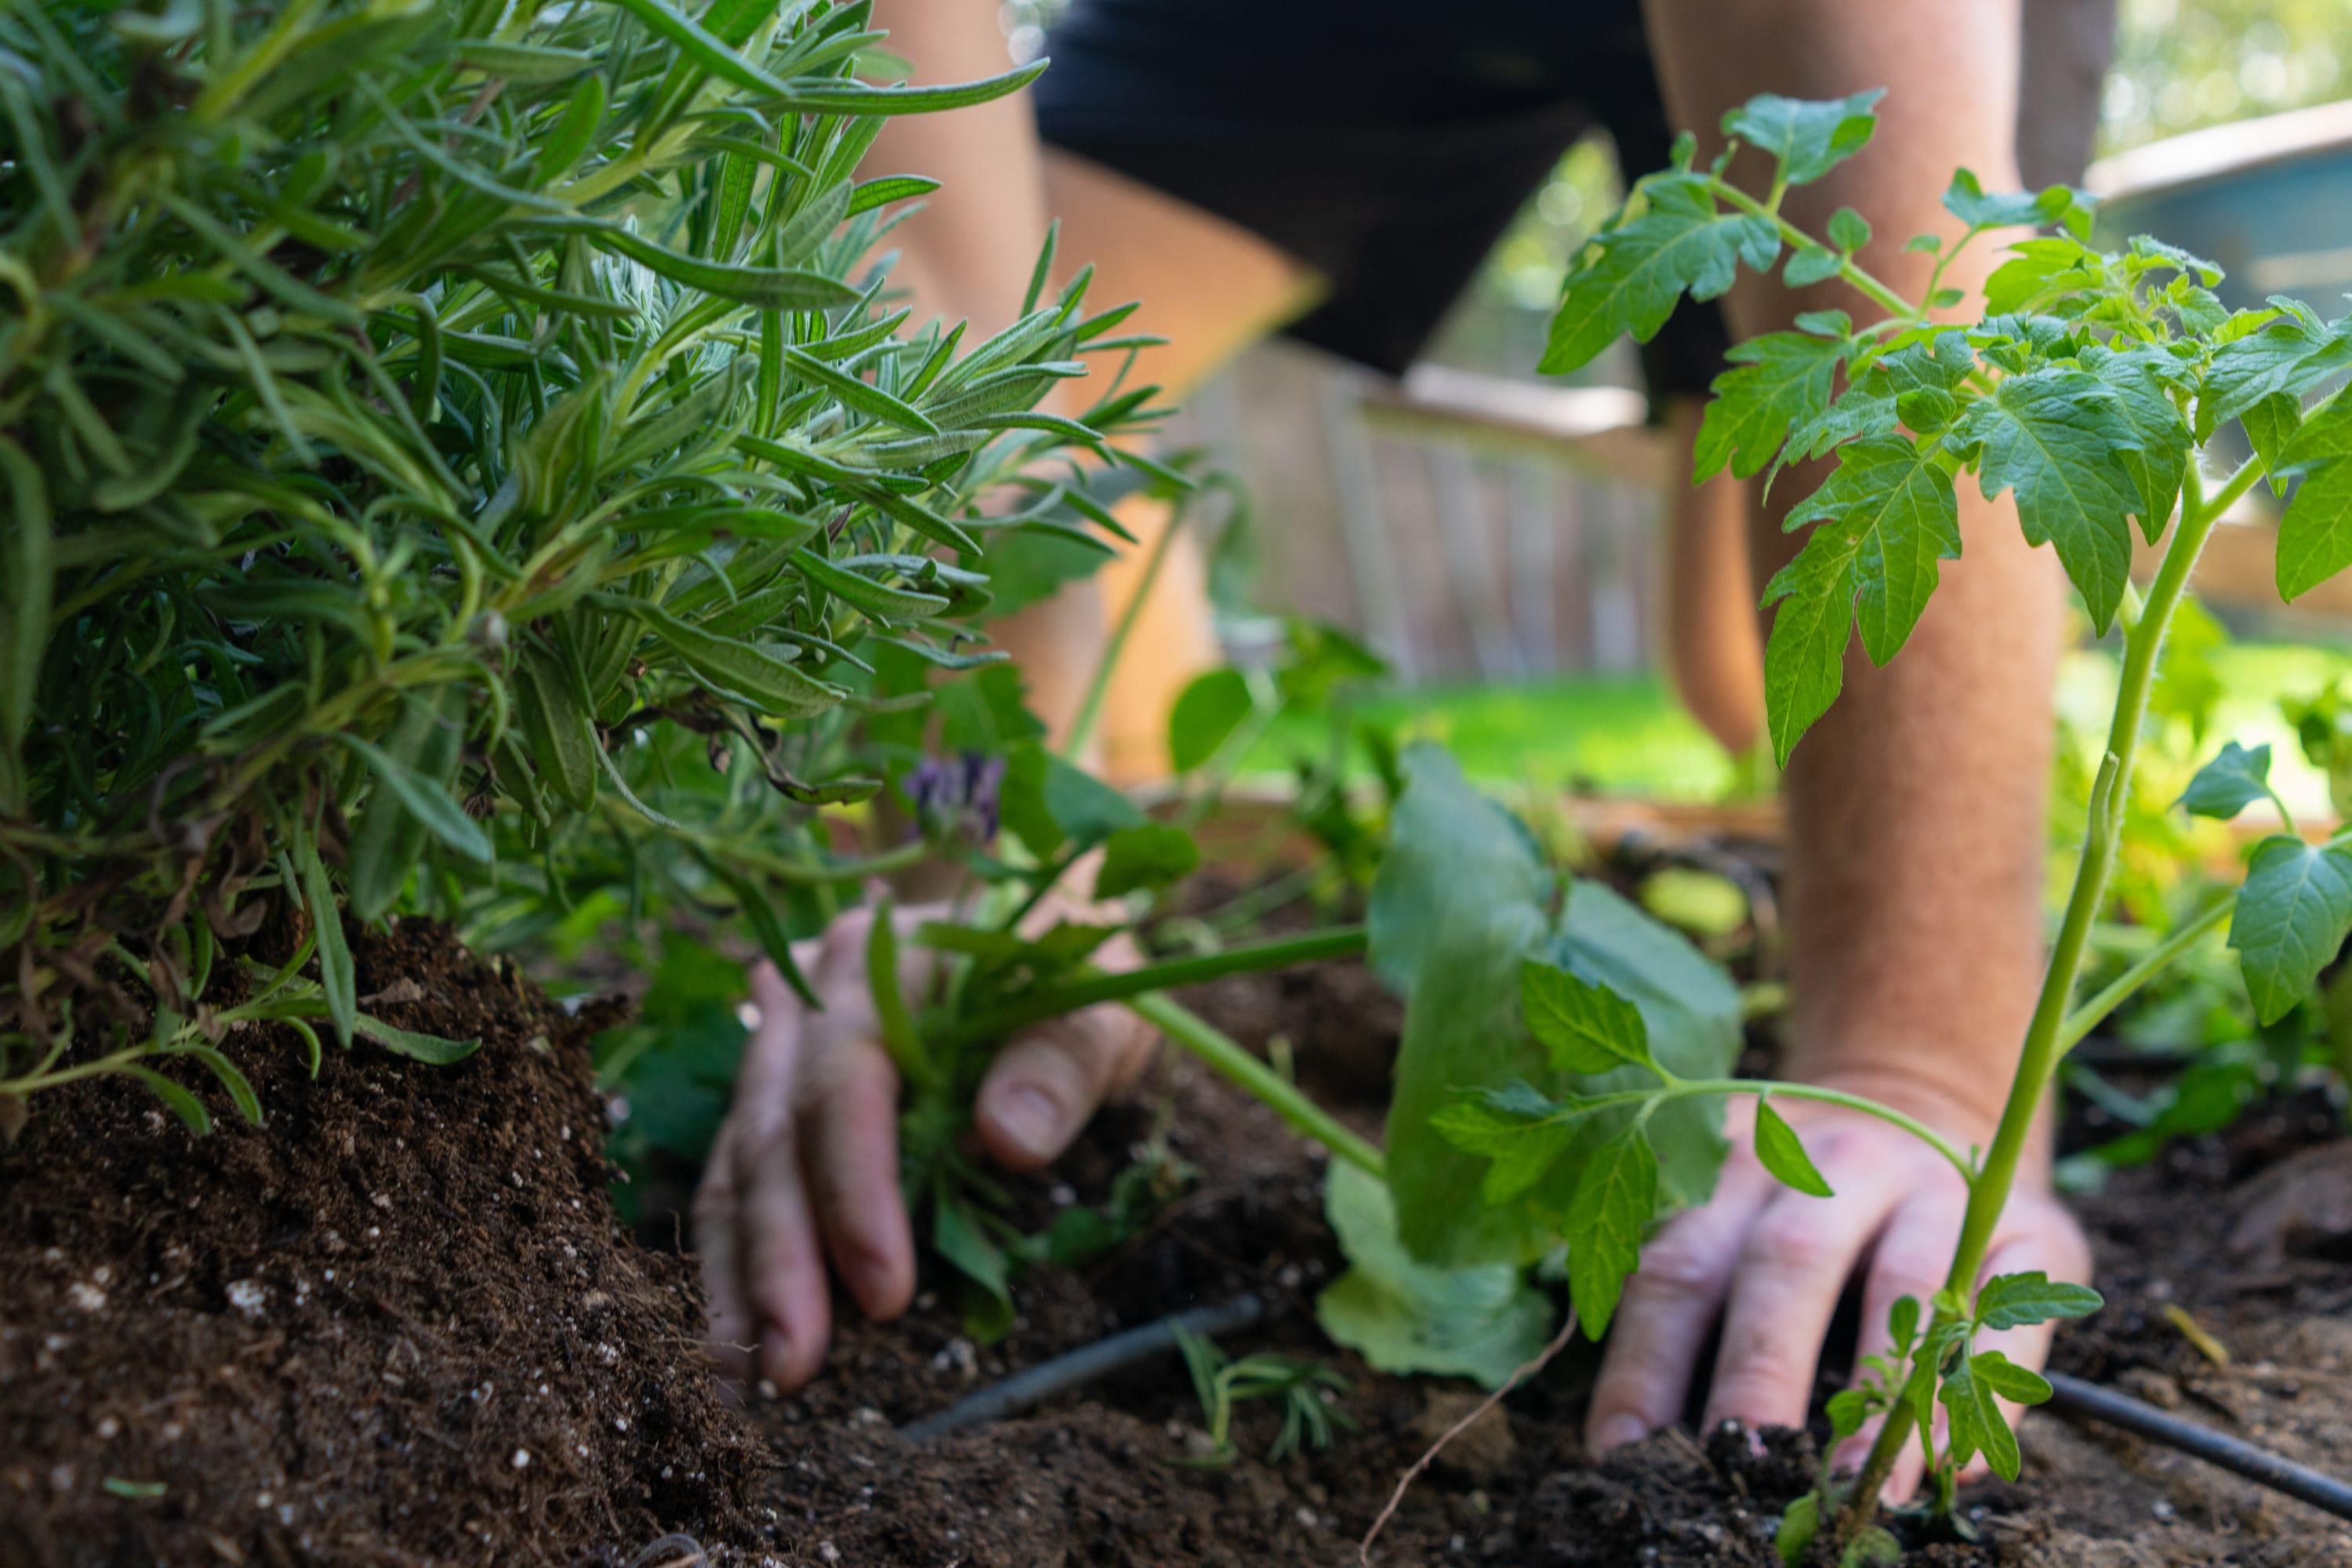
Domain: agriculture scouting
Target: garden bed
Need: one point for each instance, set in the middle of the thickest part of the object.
(329, 1342)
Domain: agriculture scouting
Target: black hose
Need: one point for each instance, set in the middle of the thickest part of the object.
(2072, 1397)
(1082, 1366)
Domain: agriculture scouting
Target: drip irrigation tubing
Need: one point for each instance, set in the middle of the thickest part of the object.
(2072, 1396)
(1082, 1366)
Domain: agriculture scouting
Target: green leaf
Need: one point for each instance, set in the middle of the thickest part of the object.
(2290, 354)
(2230, 783)
(412, 1043)
(1403, 1316)
(2159, 462)
(753, 675)
(182, 1104)
(425, 799)
(564, 744)
(706, 51)
(1886, 517)
(1809, 139)
(2294, 910)
(1810, 264)
(1799, 1522)
(1873, 1546)
(759, 288)
(871, 193)
(240, 1087)
(892, 1021)
(2315, 536)
(1631, 276)
(389, 836)
(1049, 801)
(1783, 1154)
(1779, 382)
(336, 981)
(862, 396)
(2055, 436)
(1616, 1196)
(1208, 711)
(25, 603)
(2012, 1382)
(1520, 1131)
(878, 601)
(1151, 856)
(1978, 1425)
(1968, 200)
(1587, 1029)
(2015, 1300)
(1458, 904)
(1848, 230)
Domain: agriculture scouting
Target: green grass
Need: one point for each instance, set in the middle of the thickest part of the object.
(1619, 735)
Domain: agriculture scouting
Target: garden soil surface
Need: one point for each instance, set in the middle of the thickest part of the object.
(2249, 1235)
(400, 1325)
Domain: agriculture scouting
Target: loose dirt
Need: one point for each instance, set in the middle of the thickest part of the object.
(398, 1325)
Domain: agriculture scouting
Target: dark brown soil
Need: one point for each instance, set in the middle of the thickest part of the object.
(1088, 1480)
(398, 1326)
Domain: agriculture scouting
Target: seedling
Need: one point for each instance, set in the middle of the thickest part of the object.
(2089, 387)
(1221, 1382)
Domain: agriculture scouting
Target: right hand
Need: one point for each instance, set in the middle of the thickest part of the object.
(805, 1166)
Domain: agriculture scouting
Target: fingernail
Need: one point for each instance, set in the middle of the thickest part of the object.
(775, 1355)
(1620, 1430)
(1030, 1118)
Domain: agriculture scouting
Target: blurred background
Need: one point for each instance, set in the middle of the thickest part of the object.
(1498, 537)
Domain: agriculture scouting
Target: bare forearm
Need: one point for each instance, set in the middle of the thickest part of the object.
(1916, 805)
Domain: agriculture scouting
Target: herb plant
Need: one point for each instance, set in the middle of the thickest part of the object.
(460, 459)
(2088, 386)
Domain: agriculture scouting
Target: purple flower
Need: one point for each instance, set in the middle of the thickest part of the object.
(956, 797)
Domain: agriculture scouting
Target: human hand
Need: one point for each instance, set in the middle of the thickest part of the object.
(1773, 1262)
(805, 1166)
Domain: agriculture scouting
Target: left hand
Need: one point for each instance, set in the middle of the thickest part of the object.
(1772, 1262)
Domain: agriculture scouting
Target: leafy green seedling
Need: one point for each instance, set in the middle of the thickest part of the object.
(1220, 1382)
(2086, 389)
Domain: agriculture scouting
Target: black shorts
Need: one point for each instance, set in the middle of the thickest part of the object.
(1388, 146)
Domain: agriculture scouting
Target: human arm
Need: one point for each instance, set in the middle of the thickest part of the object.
(1916, 807)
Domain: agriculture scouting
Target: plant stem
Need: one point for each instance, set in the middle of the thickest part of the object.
(1055, 1001)
(1989, 1191)
(1879, 293)
(1688, 1087)
(1229, 1060)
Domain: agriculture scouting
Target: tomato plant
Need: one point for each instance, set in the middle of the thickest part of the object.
(2087, 387)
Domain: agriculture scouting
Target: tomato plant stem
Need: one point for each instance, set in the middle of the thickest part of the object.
(1989, 1190)
(1224, 1056)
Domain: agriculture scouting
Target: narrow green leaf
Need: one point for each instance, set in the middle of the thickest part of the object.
(762, 288)
(2294, 912)
(876, 599)
(892, 1020)
(528, 63)
(427, 799)
(563, 742)
(850, 97)
(1587, 1029)
(184, 1105)
(871, 193)
(1616, 1195)
(703, 50)
(429, 1049)
(240, 1088)
(1782, 1154)
(25, 609)
(777, 689)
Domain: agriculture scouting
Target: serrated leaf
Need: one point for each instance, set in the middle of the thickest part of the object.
(2015, 1300)
(1939, 363)
(414, 1043)
(2055, 436)
(1630, 278)
(2315, 536)
(2294, 910)
(1777, 382)
(1781, 1152)
(2021, 1385)
(1586, 1028)
(2159, 462)
(1520, 1131)
(1152, 856)
(2230, 783)
(2291, 354)
(1403, 1316)
(1808, 137)
(1978, 1423)
(1885, 519)
(1616, 1194)
(1966, 199)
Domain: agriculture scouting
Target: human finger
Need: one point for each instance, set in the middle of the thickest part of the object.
(1669, 1303)
(1793, 1265)
(845, 1119)
(1914, 1252)
(1044, 1086)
